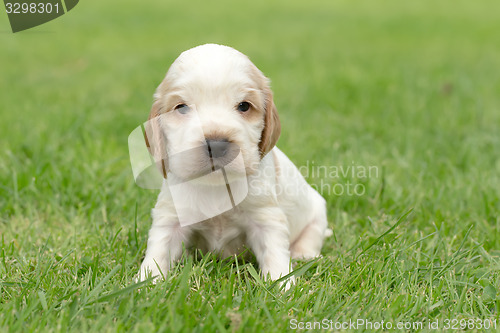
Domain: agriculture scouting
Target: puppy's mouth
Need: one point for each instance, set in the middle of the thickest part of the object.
(211, 156)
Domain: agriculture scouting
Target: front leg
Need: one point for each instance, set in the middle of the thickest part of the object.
(165, 240)
(268, 237)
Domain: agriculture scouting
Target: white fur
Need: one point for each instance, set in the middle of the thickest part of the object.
(281, 218)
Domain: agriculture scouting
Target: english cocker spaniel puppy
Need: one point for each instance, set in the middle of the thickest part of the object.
(212, 132)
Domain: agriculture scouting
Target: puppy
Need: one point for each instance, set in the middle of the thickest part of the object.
(212, 131)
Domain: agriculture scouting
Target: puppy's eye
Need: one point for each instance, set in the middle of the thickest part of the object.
(182, 108)
(243, 106)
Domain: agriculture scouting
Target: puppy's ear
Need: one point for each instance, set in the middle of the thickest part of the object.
(272, 126)
(155, 139)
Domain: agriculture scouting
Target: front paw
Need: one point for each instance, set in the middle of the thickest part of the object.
(288, 283)
(285, 284)
(150, 268)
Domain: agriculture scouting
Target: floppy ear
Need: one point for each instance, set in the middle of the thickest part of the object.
(155, 140)
(272, 126)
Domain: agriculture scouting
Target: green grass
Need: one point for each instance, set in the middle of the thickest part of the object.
(408, 87)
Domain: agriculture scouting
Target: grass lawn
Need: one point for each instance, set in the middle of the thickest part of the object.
(410, 89)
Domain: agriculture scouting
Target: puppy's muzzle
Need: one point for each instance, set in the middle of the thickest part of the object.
(220, 151)
(217, 148)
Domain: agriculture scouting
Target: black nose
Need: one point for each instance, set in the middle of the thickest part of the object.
(217, 148)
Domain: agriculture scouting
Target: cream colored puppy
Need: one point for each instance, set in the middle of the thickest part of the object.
(213, 113)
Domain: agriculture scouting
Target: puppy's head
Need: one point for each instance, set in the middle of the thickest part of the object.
(212, 105)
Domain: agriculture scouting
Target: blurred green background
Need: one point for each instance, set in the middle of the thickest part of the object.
(409, 87)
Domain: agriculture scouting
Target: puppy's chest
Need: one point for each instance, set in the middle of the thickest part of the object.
(224, 234)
